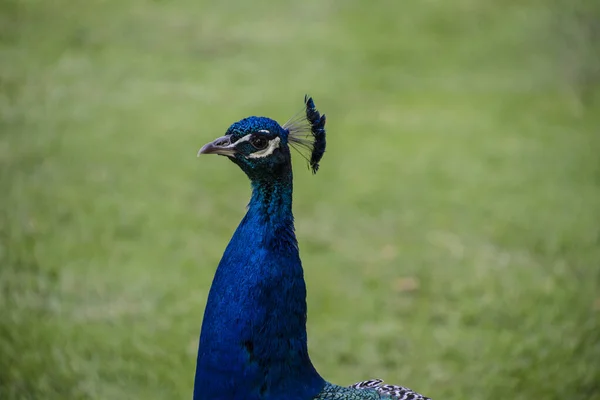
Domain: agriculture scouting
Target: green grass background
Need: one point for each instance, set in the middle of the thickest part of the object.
(451, 239)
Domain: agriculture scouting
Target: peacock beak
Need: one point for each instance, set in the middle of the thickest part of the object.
(221, 145)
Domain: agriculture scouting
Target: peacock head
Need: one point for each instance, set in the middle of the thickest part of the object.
(261, 147)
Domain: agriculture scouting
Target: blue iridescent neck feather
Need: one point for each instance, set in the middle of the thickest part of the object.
(253, 343)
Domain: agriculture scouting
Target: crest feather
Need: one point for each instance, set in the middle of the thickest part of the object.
(306, 133)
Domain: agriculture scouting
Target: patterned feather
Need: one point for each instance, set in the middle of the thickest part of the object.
(373, 389)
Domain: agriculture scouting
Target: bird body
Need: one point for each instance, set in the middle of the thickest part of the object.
(253, 342)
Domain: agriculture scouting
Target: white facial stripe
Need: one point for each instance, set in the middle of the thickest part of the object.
(273, 144)
(264, 131)
(240, 140)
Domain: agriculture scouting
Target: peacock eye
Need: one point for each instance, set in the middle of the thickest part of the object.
(259, 142)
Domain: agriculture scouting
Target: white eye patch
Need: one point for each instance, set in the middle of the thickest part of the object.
(241, 140)
(273, 144)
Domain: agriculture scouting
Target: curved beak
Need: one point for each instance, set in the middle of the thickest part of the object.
(221, 145)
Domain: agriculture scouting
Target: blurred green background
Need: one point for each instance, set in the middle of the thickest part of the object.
(451, 239)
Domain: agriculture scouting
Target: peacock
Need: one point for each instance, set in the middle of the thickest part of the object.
(253, 342)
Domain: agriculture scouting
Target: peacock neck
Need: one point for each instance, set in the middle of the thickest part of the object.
(253, 342)
(271, 202)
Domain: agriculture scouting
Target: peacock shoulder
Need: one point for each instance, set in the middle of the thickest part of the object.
(368, 390)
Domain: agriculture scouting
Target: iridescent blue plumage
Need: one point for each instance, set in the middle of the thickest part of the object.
(253, 343)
